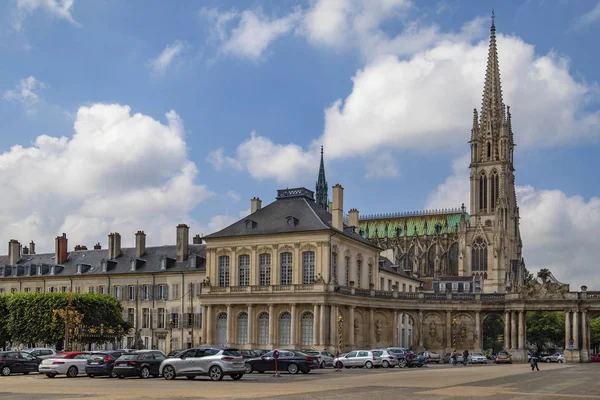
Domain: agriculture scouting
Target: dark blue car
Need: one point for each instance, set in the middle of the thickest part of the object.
(102, 363)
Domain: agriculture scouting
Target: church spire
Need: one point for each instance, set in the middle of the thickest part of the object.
(322, 197)
(492, 106)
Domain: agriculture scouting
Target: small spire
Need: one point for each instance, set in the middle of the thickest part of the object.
(321, 152)
(493, 19)
(322, 187)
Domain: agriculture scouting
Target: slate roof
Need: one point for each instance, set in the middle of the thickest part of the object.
(386, 265)
(287, 214)
(91, 262)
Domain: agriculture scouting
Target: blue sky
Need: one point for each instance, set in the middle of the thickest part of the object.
(253, 88)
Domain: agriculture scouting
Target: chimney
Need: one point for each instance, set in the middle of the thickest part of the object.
(25, 250)
(60, 249)
(337, 212)
(197, 239)
(14, 251)
(255, 205)
(353, 218)
(98, 246)
(114, 245)
(330, 206)
(183, 239)
(78, 248)
(83, 247)
(32, 247)
(111, 244)
(140, 243)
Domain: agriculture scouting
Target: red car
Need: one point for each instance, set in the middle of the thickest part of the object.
(595, 358)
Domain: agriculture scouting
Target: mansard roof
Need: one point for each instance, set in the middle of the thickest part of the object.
(293, 211)
(411, 224)
(388, 266)
(90, 262)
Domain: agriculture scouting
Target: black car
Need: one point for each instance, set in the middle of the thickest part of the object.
(101, 363)
(18, 362)
(289, 360)
(249, 354)
(141, 363)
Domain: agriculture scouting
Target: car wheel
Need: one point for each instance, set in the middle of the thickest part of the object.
(292, 368)
(145, 373)
(322, 364)
(25, 373)
(548, 360)
(560, 361)
(72, 372)
(5, 371)
(236, 377)
(385, 364)
(51, 375)
(339, 365)
(369, 364)
(402, 363)
(305, 371)
(248, 368)
(112, 374)
(121, 376)
(215, 372)
(168, 372)
(191, 377)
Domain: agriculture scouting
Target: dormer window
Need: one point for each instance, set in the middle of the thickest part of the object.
(39, 270)
(292, 221)
(52, 270)
(250, 224)
(133, 263)
(163, 263)
(104, 265)
(79, 268)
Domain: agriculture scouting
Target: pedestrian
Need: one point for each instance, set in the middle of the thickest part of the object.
(534, 360)
(465, 357)
(453, 357)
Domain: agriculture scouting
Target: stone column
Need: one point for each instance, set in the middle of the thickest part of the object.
(333, 326)
(567, 329)
(209, 325)
(420, 329)
(251, 333)
(507, 330)
(448, 331)
(322, 325)
(585, 346)
(272, 318)
(350, 326)
(395, 332)
(513, 330)
(230, 335)
(294, 327)
(521, 342)
(316, 324)
(371, 328)
(576, 330)
(478, 331)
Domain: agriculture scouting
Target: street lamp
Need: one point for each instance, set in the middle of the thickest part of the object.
(340, 322)
(454, 334)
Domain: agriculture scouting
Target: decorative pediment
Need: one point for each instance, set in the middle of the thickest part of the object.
(285, 248)
(480, 233)
(307, 247)
(242, 250)
(543, 291)
(264, 249)
(359, 257)
(223, 251)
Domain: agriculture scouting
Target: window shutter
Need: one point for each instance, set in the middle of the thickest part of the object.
(198, 289)
(198, 321)
(166, 292)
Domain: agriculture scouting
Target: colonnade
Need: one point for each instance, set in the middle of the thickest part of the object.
(577, 336)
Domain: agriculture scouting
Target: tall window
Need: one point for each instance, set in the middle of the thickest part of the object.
(161, 318)
(306, 329)
(430, 271)
(244, 270)
(264, 269)
(370, 274)
(308, 267)
(286, 268)
(285, 329)
(358, 273)
(347, 271)
(222, 329)
(131, 292)
(242, 328)
(162, 292)
(453, 260)
(479, 255)
(146, 289)
(334, 274)
(381, 283)
(131, 316)
(263, 328)
(483, 186)
(489, 151)
(145, 318)
(224, 271)
(495, 190)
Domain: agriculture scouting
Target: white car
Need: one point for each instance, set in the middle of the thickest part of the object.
(358, 359)
(477, 358)
(70, 364)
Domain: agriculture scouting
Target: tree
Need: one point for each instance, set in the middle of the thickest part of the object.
(493, 329)
(528, 277)
(595, 335)
(544, 274)
(4, 336)
(546, 329)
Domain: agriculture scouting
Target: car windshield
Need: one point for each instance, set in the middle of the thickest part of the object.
(477, 354)
(312, 353)
(502, 353)
(232, 352)
(433, 353)
(300, 354)
(377, 353)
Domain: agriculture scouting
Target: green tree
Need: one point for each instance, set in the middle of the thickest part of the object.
(4, 336)
(528, 277)
(493, 331)
(546, 329)
(544, 274)
(595, 335)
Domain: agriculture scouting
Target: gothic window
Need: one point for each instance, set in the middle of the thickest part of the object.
(242, 328)
(489, 151)
(224, 271)
(285, 329)
(264, 269)
(308, 267)
(494, 188)
(334, 266)
(370, 274)
(479, 255)
(430, 269)
(453, 260)
(263, 328)
(285, 268)
(306, 329)
(244, 270)
(483, 185)
(358, 272)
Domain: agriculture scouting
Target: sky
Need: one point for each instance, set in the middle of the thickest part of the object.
(140, 115)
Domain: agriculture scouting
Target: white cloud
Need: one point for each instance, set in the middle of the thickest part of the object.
(233, 195)
(253, 31)
(558, 231)
(220, 161)
(383, 166)
(25, 93)
(590, 17)
(60, 9)
(171, 53)
(118, 172)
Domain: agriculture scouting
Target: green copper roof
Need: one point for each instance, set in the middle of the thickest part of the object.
(387, 224)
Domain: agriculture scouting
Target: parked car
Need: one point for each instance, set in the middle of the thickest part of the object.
(41, 352)
(18, 362)
(358, 359)
(176, 352)
(414, 360)
(324, 358)
(556, 357)
(503, 358)
(447, 356)
(140, 363)
(70, 364)
(102, 363)
(595, 358)
(249, 354)
(388, 359)
(400, 353)
(291, 361)
(477, 358)
(431, 356)
(260, 352)
(214, 362)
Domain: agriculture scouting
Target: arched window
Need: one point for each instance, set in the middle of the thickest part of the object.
(264, 269)
(430, 269)
(285, 268)
(222, 329)
(285, 329)
(306, 329)
(308, 267)
(263, 328)
(410, 260)
(495, 189)
(483, 185)
(243, 270)
(370, 274)
(334, 271)
(489, 151)
(453, 260)
(479, 255)
(358, 273)
(242, 328)
(224, 271)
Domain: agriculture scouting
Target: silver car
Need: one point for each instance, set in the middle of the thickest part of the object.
(388, 359)
(358, 359)
(214, 362)
(325, 357)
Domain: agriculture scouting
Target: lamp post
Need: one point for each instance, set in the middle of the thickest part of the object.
(171, 324)
(340, 322)
(454, 334)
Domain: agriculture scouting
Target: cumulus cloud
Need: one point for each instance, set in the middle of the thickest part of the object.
(454, 191)
(118, 172)
(171, 53)
(589, 17)
(25, 93)
(247, 34)
(233, 195)
(220, 161)
(59, 9)
(384, 166)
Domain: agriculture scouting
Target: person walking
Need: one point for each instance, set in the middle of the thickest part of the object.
(534, 360)
(465, 357)
(453, 357)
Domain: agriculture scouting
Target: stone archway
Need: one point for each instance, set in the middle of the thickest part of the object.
(492, 331)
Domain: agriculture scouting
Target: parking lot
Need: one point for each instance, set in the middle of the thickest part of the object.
(490, 381)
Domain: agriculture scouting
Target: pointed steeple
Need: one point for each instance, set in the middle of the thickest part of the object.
(322, 197)
(492, 108)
